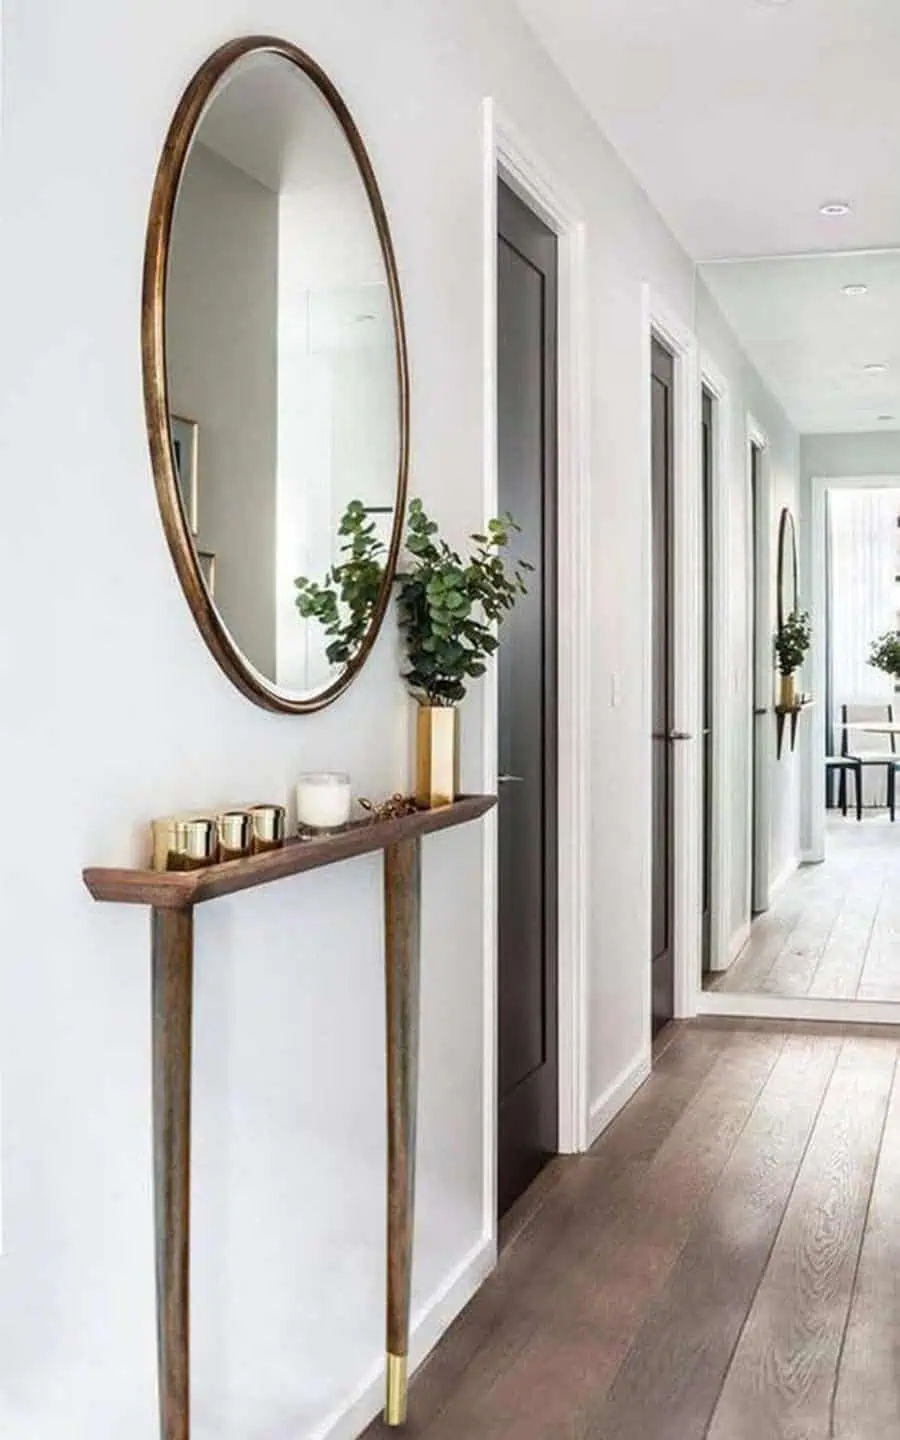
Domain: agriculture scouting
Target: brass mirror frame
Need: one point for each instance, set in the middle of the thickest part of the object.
(787, 534)
(153, 348)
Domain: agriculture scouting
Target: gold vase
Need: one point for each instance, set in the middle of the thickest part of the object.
(437, 755)
(787, 692)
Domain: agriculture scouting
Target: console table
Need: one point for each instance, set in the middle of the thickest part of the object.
(171, 897)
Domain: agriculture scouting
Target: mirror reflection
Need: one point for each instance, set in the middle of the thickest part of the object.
(800, 907)
(281, 359)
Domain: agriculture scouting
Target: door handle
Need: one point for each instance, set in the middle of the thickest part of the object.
(761, 710)
(680, 735)
(510, 779)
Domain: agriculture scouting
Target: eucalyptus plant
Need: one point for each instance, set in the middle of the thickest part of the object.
(792, 641)
(450, 607)
(885, 653)
(345, 601)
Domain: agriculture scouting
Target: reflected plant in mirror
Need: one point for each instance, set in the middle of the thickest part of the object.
(885, 654)
(345, 601)
(792, 641)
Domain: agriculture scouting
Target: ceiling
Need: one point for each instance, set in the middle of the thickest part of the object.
(270, 121)
(811, 342)
(740, 118)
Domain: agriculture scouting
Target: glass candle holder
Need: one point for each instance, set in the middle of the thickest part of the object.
(323, 801)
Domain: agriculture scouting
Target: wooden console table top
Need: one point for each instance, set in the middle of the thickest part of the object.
(180, 889)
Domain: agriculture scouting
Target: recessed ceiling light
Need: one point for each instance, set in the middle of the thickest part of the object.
(856, 289)
(876, 369)
(834, 207)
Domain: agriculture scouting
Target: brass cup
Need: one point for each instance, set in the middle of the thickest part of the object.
(184, 842)
(267, 827)
(234, 834)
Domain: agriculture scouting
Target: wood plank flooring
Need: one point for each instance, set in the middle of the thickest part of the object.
(725, 1262)
(834, 929)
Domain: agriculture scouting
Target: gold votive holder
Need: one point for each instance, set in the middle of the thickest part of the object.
(268, 827)
(184, 842)
(235, 831)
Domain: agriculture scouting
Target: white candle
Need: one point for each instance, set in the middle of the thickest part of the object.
(323, 800)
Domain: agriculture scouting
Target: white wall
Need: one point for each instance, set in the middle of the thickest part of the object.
(871, 453)
(747, 396)
(338, 436)
(113, 711)
(222, 361)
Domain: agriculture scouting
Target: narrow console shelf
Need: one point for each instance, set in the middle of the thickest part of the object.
(172, 896)
(792, 713)
(180, 889)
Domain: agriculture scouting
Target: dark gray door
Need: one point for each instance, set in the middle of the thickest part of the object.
(708, 451)
(528, 1079)
(662, 879)
(757, 710)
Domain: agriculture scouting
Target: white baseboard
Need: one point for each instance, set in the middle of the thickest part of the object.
(784, 875)
(799, 1007)
(811, 857)
(349, 1419)
(738, 941)
(607, 1106)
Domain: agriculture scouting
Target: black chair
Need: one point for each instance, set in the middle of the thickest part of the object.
(882, 751)
(842, 766)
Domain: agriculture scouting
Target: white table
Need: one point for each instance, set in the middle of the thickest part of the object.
(874, 727)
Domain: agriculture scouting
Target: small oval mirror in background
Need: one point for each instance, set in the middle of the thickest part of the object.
(788, 574)
(275, 366)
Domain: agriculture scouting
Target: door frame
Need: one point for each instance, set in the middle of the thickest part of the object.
(508, 156)
(687, 833)
(761, 668)
(723, 816)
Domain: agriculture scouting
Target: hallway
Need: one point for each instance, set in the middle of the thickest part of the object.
(723, 1263)
(834, 929)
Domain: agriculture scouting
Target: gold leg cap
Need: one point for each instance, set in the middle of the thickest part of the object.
(397, 1386)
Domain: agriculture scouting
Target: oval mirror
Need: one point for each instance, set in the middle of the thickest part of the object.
(788, 574)
(275, 371)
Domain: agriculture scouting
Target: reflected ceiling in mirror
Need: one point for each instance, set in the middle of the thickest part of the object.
(274, 361)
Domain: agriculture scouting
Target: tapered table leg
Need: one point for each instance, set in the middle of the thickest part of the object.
(173, 969)
(402, 890)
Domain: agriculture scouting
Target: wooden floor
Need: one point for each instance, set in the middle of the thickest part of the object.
(834, 929)
(724, 1263)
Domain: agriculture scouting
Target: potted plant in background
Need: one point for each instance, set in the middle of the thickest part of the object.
(885, 654)
(449, 610)
(792, 642)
